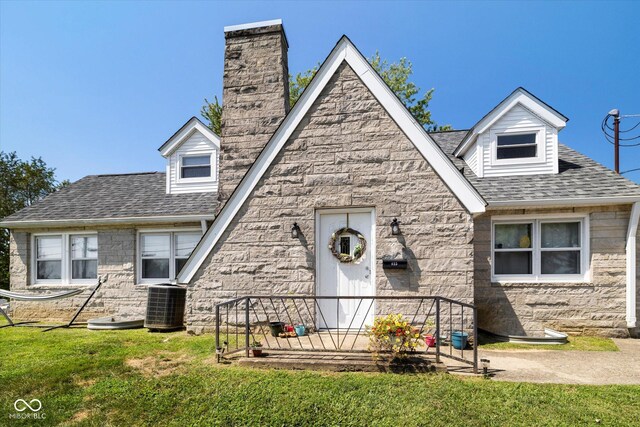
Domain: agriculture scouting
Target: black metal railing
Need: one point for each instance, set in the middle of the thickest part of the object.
(243, 321)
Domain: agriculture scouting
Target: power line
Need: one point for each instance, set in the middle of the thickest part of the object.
(630, 170)
(605, 125)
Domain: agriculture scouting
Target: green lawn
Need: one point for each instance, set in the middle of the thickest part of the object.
(581, 343)
(132, 378)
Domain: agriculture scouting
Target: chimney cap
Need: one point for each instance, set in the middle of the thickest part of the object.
(251, 25)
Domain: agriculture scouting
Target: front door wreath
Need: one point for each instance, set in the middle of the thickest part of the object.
(342, 254)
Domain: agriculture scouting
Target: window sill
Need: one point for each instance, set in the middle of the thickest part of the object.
(532, 283)
(164, 282)
(58, 286)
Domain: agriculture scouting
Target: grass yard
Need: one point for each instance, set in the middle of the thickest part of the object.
(581, 343)
(129, 378)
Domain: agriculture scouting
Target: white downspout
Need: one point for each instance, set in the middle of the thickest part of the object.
(632, 320)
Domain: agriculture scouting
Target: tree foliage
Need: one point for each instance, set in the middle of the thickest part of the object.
(212, 113)
(397, 75)
(22, 183)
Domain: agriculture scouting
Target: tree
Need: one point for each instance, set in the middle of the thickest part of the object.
(22, 183)
(212, 113)
(396, 75)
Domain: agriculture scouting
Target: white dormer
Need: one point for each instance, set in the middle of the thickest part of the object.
(192, 155)
(518, 137)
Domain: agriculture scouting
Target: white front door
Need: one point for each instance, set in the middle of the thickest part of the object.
(336, 278)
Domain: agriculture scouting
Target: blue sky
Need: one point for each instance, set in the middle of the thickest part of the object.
(97, 87)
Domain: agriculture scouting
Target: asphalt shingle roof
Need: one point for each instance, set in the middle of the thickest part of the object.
(117, 196)
(579, 177)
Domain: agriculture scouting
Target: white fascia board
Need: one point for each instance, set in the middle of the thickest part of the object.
(518, 97)
(587, 201)
(631, 254)
(250, 25)
(185, 133)
(343, 51)
(103, 221)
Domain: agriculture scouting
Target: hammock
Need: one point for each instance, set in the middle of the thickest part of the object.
(48, 297)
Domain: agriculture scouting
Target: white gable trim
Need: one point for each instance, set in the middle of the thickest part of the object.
(343, 51)
(185, 133)
(631, 252)
(517, 97)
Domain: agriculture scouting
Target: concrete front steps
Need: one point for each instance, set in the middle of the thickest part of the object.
(340, 362)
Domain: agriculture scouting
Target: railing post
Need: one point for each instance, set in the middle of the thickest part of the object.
(246, 326)
(475, 340)
(218, 332)
(437, 330)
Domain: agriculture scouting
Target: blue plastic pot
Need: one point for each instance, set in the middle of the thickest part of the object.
(299, 330)
(459, 340)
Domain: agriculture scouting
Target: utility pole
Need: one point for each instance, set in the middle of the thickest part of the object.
(615, 113)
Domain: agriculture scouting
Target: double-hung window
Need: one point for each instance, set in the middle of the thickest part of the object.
(48, 258)
(544, 249)
(162, 254)
(84, 257)
(65, 258)
(516, 146)
(195, 166)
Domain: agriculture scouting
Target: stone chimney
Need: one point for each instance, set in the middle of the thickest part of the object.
(255, 96)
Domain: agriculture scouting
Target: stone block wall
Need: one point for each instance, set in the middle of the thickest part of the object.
(593, 308)
(346, 152)
(120, 295)
(255, 97)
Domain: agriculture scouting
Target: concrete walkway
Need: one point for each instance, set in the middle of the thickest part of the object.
(568, 367)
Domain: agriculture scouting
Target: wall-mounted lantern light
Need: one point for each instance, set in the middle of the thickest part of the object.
(395, 227)
(295, 231)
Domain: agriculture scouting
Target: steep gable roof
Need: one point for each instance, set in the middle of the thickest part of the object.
(343, 51)
(177, 139)
(520, 96)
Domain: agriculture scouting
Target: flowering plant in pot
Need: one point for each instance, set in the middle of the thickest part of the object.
(256, 348)
(393, 334)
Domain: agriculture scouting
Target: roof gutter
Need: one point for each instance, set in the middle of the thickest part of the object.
(632, 231)
(586, 201)
(104, 221)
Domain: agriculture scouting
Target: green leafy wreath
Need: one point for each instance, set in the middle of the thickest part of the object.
(358, 251)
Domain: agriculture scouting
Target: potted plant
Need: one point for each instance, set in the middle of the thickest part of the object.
(393, 334)
(276, 328)
(256, 349)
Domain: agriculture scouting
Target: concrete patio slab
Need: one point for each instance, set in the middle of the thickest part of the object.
(565, 367)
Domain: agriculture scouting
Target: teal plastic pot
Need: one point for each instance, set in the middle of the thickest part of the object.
(300, 329)
(459, 340)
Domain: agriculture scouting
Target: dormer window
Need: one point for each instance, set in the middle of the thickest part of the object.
(518, 146)
(195, 167)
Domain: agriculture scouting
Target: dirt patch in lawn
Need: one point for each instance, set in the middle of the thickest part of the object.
(80, 416)
(159, 366)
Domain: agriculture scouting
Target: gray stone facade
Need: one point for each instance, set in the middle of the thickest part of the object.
(255, 96)
(594, 308)
(346, 152)
(120, 295)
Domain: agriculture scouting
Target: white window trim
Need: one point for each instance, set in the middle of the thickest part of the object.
(537, 277)
(65, 266)
(541, 137)
(172, 264)
(212, 163)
